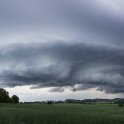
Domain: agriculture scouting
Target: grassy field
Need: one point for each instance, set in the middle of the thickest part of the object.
(61, 114)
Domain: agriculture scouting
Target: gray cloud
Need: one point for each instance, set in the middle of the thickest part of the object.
(84, 19)
(57, 89)
(88, 54)
(77, 65)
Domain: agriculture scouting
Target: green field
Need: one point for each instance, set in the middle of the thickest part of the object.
(61, 114)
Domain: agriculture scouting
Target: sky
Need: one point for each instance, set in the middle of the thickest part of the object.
(59, 49)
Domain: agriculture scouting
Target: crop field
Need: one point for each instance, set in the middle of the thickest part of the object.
(61, 114)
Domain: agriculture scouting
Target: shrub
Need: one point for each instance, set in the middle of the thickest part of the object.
(120, 104)
(49, 102)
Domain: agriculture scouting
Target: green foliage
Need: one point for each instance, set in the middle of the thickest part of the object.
(61, 114)
(120, 104)
(15, 99)
(4, 97)
(49, 102)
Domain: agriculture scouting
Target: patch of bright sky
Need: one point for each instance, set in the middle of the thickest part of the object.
(43, 94)
(114, 5)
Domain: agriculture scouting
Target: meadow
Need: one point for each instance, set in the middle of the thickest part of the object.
(61, 114)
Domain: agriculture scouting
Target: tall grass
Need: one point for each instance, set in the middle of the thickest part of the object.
(61, 114)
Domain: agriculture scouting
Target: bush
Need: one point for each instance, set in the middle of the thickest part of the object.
(120, 104)
(49, 102)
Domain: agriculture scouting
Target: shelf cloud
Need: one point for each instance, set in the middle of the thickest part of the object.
(62, 43)
(61, 65)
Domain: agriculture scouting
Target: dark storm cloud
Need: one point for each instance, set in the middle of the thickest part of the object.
(77, 65)
(94, 59)
(57, 89)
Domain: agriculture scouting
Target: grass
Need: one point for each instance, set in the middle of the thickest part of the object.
(61, 114)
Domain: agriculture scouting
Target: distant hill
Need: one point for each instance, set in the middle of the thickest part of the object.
(97, 100)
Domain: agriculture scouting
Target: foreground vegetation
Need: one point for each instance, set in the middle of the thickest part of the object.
(61, 114)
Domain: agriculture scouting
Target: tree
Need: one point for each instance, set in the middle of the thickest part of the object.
(49, 102)
(15, 99)
(4, 96)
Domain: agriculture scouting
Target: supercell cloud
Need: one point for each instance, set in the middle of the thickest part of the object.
(62, 43)
(62, 64)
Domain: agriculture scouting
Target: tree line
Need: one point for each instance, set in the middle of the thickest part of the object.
(5, 98)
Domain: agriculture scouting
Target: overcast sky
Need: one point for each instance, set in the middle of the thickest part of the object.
(58, 49)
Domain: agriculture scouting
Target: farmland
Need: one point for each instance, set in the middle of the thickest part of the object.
(61, 114)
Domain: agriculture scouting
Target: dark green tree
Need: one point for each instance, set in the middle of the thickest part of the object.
(15, 99)
(4, 96)
(49, 102)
